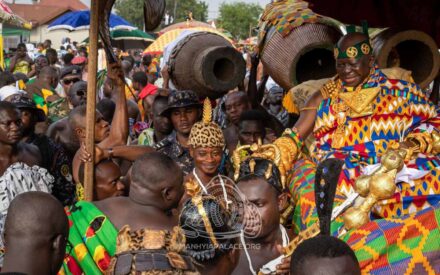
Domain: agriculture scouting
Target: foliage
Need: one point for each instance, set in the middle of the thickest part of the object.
(181, 8)
(132, 10)
(239, 17)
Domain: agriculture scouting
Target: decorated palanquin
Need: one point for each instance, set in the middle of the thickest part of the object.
(359, 127)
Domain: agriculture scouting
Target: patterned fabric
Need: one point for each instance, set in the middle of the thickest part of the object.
(408, 245)
(287, 15)
(171, 147)
(92, 240)
(40, 101)
(57, 109)
(17, 179)
(400, 108)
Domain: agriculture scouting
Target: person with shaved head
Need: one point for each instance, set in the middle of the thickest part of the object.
(120, 227)
(36, 234)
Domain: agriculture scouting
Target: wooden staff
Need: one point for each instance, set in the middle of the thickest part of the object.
(91, 99)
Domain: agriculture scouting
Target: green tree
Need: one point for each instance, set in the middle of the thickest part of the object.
(133, 12)
(179, 9)
(239, 17)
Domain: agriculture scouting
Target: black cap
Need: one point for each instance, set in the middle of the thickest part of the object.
(22, 101)
(73, 70)
(181, 99)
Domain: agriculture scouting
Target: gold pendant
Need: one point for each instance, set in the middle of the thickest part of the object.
(338, 137)
(360, 101)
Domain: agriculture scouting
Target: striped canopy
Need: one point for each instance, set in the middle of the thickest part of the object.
(157, 47)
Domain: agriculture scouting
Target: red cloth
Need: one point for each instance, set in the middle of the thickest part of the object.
(150, 89)
(77, 60)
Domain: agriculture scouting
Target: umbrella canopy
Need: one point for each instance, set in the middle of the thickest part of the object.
(159, 44)
(129, 39)
(186, 25)
(80, 20)
(7, 16)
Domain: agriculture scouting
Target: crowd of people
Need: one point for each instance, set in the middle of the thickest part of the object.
(160, 154)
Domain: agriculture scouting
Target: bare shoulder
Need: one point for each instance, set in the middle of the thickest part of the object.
(111, 206)
(29, 154)
(56, 127)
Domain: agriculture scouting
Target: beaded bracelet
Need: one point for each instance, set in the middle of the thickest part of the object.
(294, 135)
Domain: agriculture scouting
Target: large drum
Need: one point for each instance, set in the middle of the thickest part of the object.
(412, 50)
(206, 63)
(305, 54)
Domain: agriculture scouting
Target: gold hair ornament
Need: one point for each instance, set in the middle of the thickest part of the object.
(258, 150)
(198, 202)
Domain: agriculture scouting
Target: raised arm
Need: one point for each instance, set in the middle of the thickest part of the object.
(126, 152)
(119, 128)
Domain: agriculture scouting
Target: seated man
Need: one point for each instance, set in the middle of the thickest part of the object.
(156, 189)
(260, 181)
(324, 255)
(36, 228)
(183, 110)
(358, 117)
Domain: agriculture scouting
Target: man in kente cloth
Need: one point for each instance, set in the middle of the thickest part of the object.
(134, 234)
(358, 117)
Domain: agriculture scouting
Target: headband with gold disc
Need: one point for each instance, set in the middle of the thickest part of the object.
(357, 50)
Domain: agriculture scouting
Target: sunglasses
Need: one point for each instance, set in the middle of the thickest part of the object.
(70, 81)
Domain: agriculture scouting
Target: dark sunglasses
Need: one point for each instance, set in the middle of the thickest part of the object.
(69, 81)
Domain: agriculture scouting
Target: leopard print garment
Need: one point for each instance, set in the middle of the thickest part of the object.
(206, 135)
(131, 243)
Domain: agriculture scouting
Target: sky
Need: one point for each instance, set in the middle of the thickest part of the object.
(213, 5)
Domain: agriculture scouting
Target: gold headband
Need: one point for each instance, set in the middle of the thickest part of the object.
(267, 151)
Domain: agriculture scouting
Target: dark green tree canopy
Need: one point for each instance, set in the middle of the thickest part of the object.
(239, 18)
(132, 10)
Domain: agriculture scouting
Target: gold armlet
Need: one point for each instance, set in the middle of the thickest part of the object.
(435, 142)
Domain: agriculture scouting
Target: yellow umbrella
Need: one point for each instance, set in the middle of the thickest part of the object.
(159, 44)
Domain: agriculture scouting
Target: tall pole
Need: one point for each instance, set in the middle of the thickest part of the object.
(91, 99)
